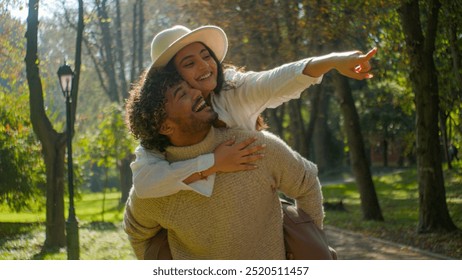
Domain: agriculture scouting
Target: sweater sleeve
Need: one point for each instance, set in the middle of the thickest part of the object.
(154, 176)
(296, 177)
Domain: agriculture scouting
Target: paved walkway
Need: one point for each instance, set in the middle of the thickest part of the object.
(353, 246)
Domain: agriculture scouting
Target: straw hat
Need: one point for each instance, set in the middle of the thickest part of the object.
(168, 42)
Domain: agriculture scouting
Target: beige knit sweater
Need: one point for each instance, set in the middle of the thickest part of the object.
(242, 219)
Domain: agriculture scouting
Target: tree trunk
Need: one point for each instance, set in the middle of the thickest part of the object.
(53, 143)
(140, 36)
(315, 100)
(297, 128)
(275, 119)
(120, 53)
(369, 202)
(322, 138)
(433, 211)
(133, 73)
(78, 63)
(137, 64)
(125, 178)
(444, 134)
(297, 125)
(107, 50)
(385, 152)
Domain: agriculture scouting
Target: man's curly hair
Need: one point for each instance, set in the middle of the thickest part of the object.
(145, 107)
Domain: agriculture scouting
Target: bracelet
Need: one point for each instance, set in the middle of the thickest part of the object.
(201, 174)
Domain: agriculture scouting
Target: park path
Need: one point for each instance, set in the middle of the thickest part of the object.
(354, 246)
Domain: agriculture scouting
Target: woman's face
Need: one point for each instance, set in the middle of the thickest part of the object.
(197, 67)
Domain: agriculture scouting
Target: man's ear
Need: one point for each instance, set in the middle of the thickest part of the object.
(166, 128)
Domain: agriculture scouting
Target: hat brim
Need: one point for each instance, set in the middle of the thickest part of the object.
(212, 36)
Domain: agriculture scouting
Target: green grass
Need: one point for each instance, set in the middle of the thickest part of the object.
(101, 237)
(88, 207)
(98, 241)
(398, 198)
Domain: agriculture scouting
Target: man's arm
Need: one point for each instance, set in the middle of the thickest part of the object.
(139, 228)
(296, 177)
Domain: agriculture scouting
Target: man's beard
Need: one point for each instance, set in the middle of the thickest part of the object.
(198, 125)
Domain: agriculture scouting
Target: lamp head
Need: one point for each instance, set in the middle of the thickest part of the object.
(66, 76)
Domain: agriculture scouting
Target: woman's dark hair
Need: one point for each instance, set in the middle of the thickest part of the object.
(220, 72)
(170, 67)
(145, 107)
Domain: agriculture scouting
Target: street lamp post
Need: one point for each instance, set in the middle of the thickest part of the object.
(66, 77)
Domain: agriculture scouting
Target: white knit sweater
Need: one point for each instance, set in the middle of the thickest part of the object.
(242, 219)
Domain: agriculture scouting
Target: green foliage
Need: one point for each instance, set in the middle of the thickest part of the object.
(102, 145)
(448, 61)
(21, 167)
(385, 113)
(112, 139)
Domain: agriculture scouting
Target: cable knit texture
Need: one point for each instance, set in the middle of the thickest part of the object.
(243, 218)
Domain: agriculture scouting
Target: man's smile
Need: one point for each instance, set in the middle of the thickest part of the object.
(199, 105)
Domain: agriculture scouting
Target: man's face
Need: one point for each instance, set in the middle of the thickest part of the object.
(186, 109)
